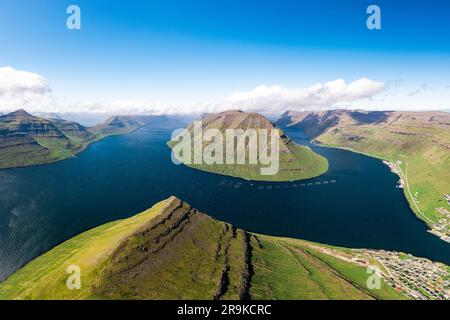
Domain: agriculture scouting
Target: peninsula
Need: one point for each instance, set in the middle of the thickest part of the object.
(415, 145)
(173, 251)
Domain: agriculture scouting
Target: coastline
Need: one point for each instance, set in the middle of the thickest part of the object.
(438, 234)
(205, 168)
(72, 154)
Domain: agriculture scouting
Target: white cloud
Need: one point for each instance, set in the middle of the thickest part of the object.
(20, 88)
(318, 96)
(31, 91)
(115, 107)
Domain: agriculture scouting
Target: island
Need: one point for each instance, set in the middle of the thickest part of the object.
(294, 162)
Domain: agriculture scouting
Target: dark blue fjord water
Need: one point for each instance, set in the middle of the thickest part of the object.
(355, 204)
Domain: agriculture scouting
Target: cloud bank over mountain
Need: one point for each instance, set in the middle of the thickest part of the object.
(23, 89)
(318, 96)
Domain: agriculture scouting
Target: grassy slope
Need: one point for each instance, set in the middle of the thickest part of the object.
(24, 155)
(173, 252)
(300, 163)
(303, 163)
(295, 162)
(426, 164)
(45, 277)
(50, 150)
(322, 276)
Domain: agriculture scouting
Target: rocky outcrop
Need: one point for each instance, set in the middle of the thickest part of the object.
(180, 231)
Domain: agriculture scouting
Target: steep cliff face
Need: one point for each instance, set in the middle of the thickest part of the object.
(316, 123)
(181, 253)
(27, 140)
(117, 124)
(74, 130)
(172, 251)
(20, 122)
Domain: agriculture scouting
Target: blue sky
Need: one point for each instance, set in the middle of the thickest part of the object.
(188, 54)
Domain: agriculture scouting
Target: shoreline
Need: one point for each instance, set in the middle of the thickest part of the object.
(438, 234)
(72, 155)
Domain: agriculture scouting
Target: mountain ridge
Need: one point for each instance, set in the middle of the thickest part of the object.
(173, 251)
(26, 139)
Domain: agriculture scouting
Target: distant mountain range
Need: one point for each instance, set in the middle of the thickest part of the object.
(316, 123)
(26, 139)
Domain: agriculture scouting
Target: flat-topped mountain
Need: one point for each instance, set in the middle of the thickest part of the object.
(295, 162)
(315, 123)
(74, 130)
(173, 251)
(26, 139)
(128, 123)
(417, 145)
(21, 122)
(235, 119)
(117, 125)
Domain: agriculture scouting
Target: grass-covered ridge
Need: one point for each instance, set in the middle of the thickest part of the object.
(417, 143)
(172, 251)
(29, 140)
(295, 162)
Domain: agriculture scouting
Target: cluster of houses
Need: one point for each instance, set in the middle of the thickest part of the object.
(418, 278)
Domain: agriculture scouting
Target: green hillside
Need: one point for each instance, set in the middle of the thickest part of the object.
(417, 144)
(172, 251)
(295, 162)
(117, 125)
(28, 140)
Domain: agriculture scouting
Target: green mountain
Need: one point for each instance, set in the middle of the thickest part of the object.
(416, 144)
(295, 162)
(28, 140)
(118, 125)
(172, 251)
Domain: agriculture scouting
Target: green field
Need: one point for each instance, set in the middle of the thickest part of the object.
(172, 251)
